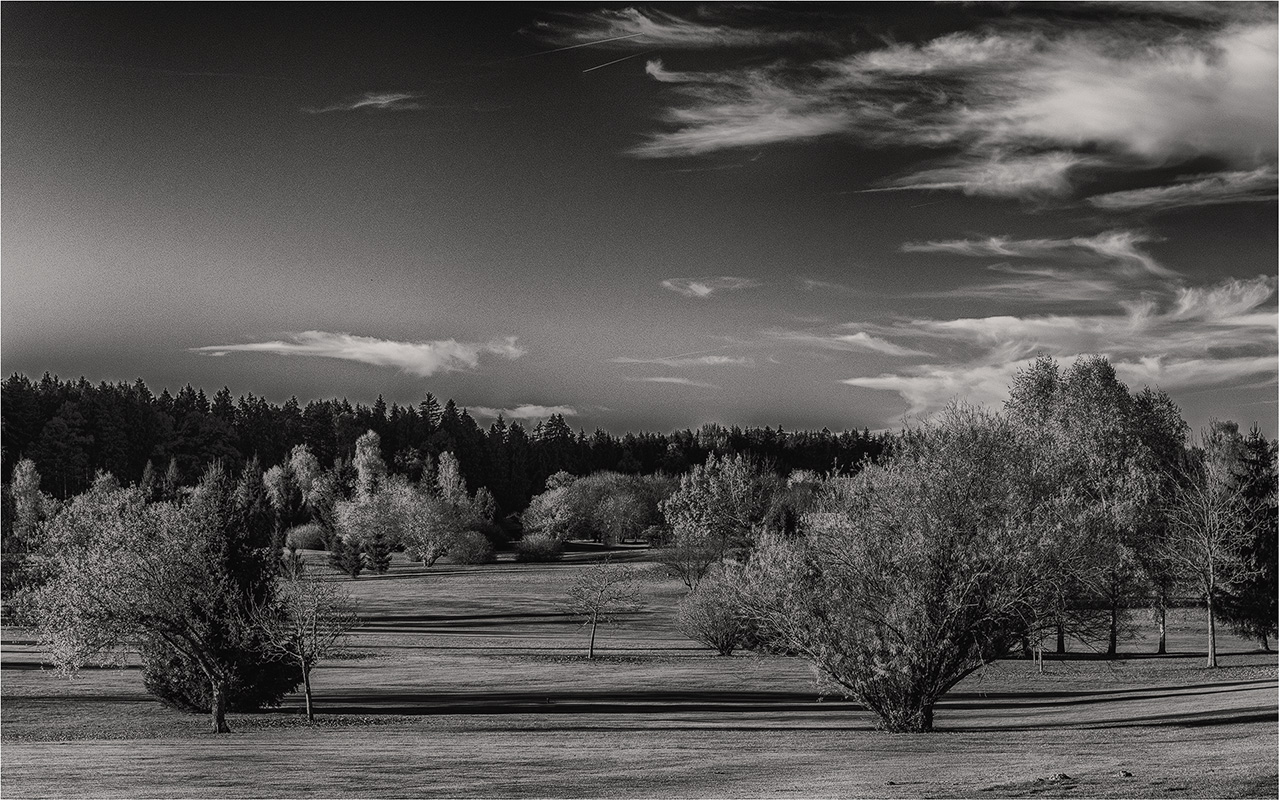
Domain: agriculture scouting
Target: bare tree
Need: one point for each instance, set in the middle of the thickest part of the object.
(307, 622)
(600, 594)
(1209, 529)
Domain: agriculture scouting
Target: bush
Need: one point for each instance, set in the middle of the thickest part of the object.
(710, 615)
(307, 537)
(539, 548)
(471, 548)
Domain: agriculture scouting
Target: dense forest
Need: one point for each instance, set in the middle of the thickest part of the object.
(72, 429)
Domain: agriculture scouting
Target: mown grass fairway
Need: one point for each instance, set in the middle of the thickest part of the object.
(468, 681)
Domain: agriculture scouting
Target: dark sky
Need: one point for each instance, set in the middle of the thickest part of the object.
(643, 217)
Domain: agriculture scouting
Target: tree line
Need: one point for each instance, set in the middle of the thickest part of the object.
(72, 429)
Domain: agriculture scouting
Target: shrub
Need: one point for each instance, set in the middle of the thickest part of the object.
(710, 615)
(539, 548)
(307, 537)
(471, 548)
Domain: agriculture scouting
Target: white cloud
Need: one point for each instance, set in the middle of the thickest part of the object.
(688, 382)
(706, 287)
(1000, 175)
(1171, 336)
(374, 101)
(417, 358)
(860, 341)
(1031, 108)
(525, 411)
(1202, 190)
(647, 27)
(687, 361)
(930, 387)
(1119, 248)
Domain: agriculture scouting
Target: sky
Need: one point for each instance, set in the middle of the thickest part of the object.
(643, 217)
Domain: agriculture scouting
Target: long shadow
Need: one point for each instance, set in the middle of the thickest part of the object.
(604, 702)
(1214, 717)
(427, 623)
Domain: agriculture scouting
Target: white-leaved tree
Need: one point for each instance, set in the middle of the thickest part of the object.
(910, 575)
(1210, 525)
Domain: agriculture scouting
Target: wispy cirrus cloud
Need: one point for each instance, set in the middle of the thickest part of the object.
(1173, 336)
(698, 29)
(1000, 174)
(706, 287)
(525, 411)
(687, 382)
(374, 101)
(1201, 190)
(1032, 107)
(1118, 247)
(836, 339)
(416, 358)
(688, 360)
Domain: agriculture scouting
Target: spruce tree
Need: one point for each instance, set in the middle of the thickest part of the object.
(345, 557)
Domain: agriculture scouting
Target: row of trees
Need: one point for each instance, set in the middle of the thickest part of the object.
(72, 429)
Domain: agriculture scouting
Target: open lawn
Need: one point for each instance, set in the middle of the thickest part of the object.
(468, 681)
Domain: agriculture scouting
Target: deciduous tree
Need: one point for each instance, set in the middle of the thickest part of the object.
(602, 593)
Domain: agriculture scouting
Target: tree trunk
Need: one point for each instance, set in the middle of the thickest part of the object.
(1112, 627)
(1161, 609)
(591, 646)
(1266, 646)
(1213, 635)
(218, 707)
(1026, 648)
(306, 688)
(1062, 638)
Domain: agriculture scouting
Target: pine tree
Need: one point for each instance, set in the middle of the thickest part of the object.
(149, 483)
(345, 557)
(1249, 604)
(172, 483)
(377, 552)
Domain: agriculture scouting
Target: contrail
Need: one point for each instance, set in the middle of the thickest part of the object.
(584, 44)
(616, 60)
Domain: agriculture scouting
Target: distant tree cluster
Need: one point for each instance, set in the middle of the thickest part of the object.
(71, 429)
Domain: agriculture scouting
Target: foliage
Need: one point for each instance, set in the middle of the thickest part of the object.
(345, 557)
(910, 575)
(307, 537)
(471, 548)
(1097, 460)
(1249, 601)
(123, 570)
(710, 614)
(26, 509)
(120, 427)
(539, 548)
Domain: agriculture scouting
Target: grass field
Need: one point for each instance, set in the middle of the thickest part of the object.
(468, 681)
